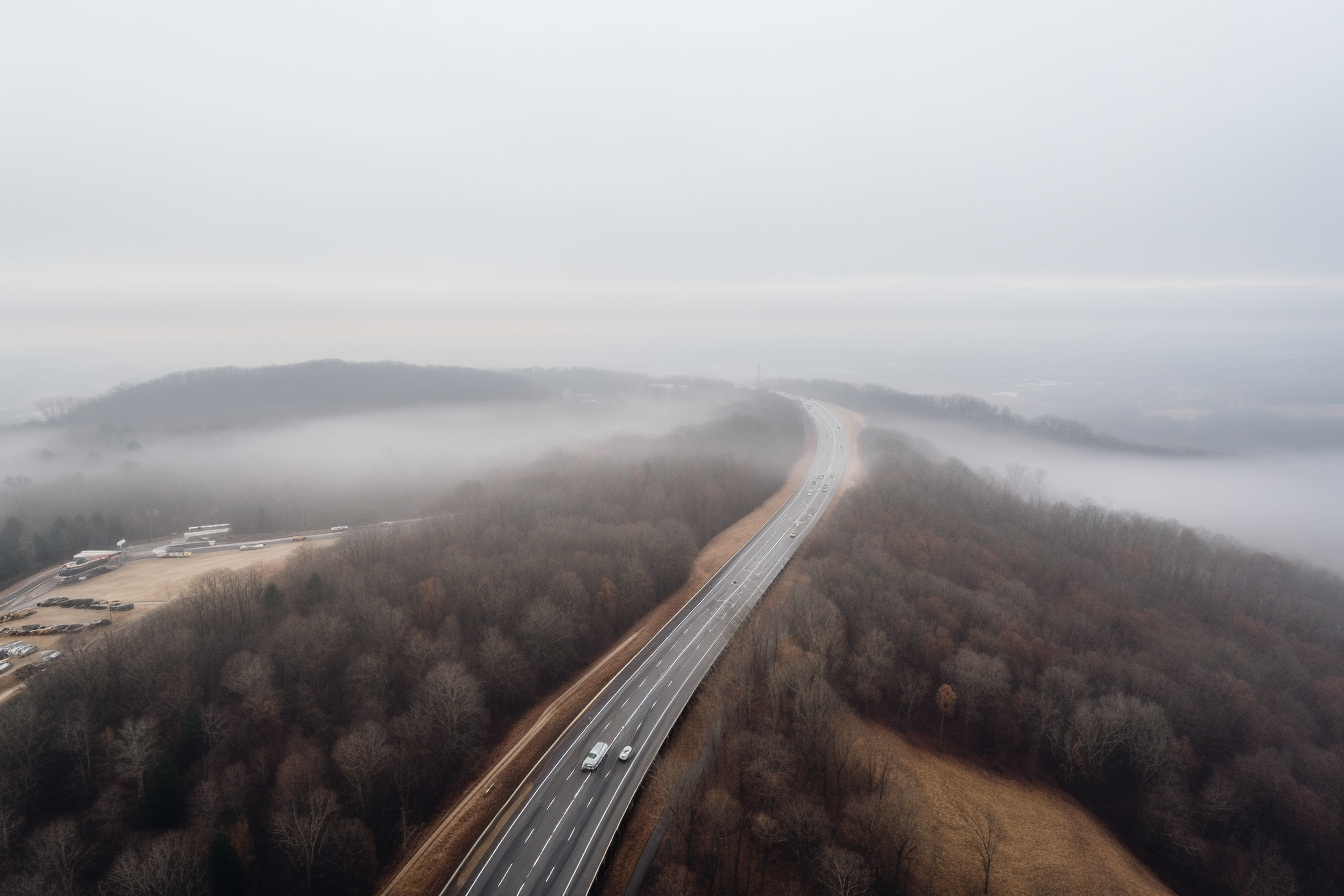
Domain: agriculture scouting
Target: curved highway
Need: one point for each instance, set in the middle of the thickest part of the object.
(554, 831)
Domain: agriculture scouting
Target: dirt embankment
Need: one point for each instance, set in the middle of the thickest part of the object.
(448, 840)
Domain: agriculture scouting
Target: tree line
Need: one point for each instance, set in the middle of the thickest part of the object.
(294, 733)
(1187, 690)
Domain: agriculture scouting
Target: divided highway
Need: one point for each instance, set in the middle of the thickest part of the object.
(553, 833)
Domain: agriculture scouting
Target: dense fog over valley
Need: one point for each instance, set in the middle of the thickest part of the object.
(401, 462)
(1290, 503)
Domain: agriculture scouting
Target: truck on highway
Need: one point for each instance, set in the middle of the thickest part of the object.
(595, 756)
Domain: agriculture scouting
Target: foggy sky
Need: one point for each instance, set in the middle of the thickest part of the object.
(417, 164)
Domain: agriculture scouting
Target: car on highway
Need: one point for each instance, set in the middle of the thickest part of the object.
(595, 756)
(299, 538)
(339, 528)
(625, 753)
(252, 546)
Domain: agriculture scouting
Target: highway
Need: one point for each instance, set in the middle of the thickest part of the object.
(553, 833)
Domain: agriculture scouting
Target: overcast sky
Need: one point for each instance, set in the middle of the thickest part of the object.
(246, 182)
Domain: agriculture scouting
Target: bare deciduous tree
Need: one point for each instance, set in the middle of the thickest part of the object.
(251, 677)
(169, 865)
(134, 748)
(842, 872)
(361, 756)
(300, 828)
(986, 835)
(57, 852)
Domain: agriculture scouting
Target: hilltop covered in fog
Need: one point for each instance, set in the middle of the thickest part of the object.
(874, 399)
(229, 397)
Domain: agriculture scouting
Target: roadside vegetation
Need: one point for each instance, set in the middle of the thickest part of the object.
(294, 734)
(1188, 691)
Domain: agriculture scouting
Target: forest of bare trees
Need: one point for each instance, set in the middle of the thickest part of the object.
(293, 733)
(1189, 691)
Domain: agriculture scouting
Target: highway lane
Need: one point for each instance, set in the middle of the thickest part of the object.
(554, 831)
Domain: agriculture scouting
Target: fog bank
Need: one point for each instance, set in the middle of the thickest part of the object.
(1287, 503)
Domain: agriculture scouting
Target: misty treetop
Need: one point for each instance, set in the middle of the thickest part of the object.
(292, 734)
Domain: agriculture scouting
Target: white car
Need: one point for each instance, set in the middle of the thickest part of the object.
(626, 753)
(595, 757)
(339, 528)
(252, 546)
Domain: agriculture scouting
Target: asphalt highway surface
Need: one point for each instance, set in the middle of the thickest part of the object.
(554, 832)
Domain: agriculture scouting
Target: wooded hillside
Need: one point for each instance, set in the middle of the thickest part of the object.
(1187, 690)
(291, 735)
(229, 397)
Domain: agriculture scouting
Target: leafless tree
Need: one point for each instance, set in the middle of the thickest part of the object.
(986, 834)
(1117, 725)
(911, 688)
(871, 667)
(507, 673)
(843, 872)
(362, 755)
(53, 407)
(134, 748)
(889, 831)
(981, 682)
(300, 828)
(452, 708)
(169, 865)
(251, 677)
(11, 822)
(57, 851)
